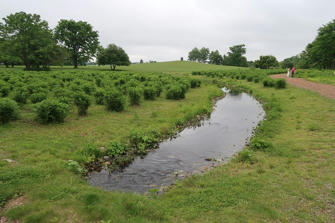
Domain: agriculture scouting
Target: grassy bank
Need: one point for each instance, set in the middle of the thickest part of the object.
(291, 180)
(319, 76)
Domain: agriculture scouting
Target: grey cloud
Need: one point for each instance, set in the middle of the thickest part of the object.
(167, 29)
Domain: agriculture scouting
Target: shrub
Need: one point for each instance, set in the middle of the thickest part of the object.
(9, 110)
(20, 95)
(149, 93)
(135, 95)
(195, 83)
(91, 151)
(4, 89)
(114, 100)
(82, 101)
(116, 149)
(143, 141)
(51, 111)
(280, 83)
(88, 88)
(260, 144)
(175, 92)
(250, 78)
(268, 82)
(38, 97)
(99, 97)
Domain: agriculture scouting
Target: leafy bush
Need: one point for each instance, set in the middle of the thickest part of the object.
(114, 100)
(38, 97)
(51, 111)
(195, 83)
(260, 144)
(149, 93)
(175, 92)
(99, 97)
(9, 110)
(82, 101)
(91, 151)
(268, 82)
(135, 95)
(4, 89)
(21, 95)
(116, 149)
(143, 141)
(280, 83)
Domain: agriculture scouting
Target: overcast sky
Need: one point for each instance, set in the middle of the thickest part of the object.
(165, 30)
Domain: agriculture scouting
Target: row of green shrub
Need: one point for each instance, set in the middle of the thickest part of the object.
(255, 75)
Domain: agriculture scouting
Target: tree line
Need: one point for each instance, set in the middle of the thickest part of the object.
(235, 57)
(27, 39)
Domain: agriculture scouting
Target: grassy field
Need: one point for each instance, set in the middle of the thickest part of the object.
(320, 76)
(290, 181)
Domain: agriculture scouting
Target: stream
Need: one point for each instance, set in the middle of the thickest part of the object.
(194, 150)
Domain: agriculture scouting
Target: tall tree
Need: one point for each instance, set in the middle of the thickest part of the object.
(194, 54)
(235, 56)
(79, 38)
(113, 56)
(215, 58)
(204, 53)
(265, 62)
(321, 51)
(27, 37)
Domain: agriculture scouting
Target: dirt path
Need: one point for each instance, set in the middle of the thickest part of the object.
(323, 89)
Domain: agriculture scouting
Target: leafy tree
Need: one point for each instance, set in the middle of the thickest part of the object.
(194, 54)
(27, 38)
(215, 58)
(141, 61)
(321, 52)
(265, 62)
(235, 56)
(79, 38)
(114, 56)
(203, 54)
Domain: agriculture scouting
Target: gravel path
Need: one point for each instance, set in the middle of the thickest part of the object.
(323, 89)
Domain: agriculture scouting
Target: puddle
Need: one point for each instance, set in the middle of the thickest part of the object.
(194, 150)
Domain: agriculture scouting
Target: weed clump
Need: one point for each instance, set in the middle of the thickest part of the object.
(260, 144)
(246, 156)
(268, 82)
(135, 95)
(114, 100)
(280, 83)
(38, 97)
(99, 97)
(149, 93)
(51, 111)
(9, 110)
(82, 101)
(175, 92)
(195, 83)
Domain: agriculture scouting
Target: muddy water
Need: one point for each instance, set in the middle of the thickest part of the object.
(218, 138)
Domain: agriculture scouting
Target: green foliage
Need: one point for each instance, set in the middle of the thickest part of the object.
(235, 56)
(194, 54)
(266, 62)
(215, 58)
(99, 97)
(113, 56)
(135, 95)
(280, 83)
(38, 97)
(195, 83)
(9, 110)
(149, 93)
(175, 92)
(114, 100)
(74, 167)
(116, 149)
(82, 101)
(4, 88)
(260, 144)
(79, 39)
(51, 111)
(246, 156)
(91, 151)
(143, 141)
(28, 38)
(268, 82)
(20, 95)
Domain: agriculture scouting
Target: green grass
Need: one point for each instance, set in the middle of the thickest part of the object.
(319, 76)
(293, 181)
